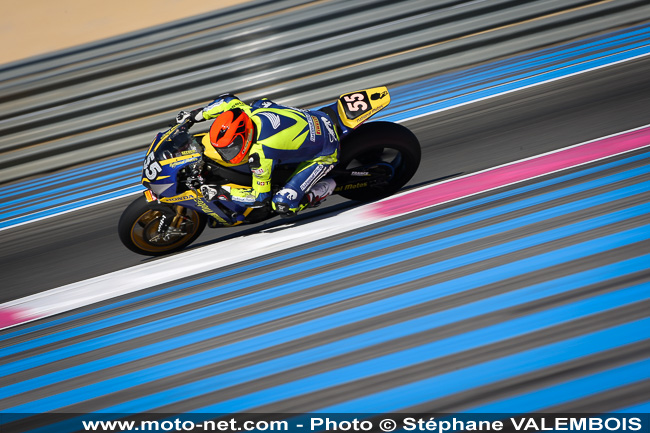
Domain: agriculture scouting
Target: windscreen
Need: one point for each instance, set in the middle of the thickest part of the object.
(178, 144)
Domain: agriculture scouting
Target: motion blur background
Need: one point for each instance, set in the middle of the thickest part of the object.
(75, 120)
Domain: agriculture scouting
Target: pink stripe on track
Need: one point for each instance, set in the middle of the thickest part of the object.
(511, 173)
(11, 317)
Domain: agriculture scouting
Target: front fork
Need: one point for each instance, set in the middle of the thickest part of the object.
(178, 218)
(167, 228)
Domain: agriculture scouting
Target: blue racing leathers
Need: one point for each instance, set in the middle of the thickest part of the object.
(283, 135)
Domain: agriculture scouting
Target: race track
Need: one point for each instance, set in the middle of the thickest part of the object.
(83, 244)
(526, 298)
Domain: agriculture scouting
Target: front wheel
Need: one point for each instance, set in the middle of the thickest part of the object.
(140, 228)
(387, 148)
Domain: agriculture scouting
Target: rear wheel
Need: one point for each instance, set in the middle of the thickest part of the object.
(139, 228)
(386, 148)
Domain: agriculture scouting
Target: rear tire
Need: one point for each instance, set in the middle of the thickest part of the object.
(380, 142)
(138, 227)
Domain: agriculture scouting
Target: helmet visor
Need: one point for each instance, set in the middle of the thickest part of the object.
(229, 152)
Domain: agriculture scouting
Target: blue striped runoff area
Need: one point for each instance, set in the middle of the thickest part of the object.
(624, 180)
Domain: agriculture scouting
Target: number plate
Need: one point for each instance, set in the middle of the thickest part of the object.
(151, 168)
(356, 107)
(355, 104)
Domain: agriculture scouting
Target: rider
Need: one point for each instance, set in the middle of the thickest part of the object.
(265, 134)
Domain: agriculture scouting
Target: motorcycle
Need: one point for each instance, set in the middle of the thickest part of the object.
(376, 159)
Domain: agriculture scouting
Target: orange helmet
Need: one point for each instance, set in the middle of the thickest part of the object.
(231, 134)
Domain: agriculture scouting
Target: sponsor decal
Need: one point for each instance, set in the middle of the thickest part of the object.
(244, 199)
(330, 129)
(316, 125)
(312, 178)
(182, 162)
(355, 185)
(360, 173)
(206, 209)
(379, 95)
(267, 104)
(312, 128)
(368, 114)
(315, 176)
(258, 171)
(186, 196)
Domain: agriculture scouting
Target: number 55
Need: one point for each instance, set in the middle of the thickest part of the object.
(151, 167)
(355, 102)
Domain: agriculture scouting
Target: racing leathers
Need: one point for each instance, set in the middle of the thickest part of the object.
(283, 135)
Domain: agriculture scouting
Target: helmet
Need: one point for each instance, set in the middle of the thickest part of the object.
(231, 134)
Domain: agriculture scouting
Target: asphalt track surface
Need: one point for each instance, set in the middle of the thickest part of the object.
(83, 244)
(500, 316)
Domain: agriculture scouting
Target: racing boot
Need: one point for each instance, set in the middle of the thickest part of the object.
(286, 198)
(285, 202)
(318, 193)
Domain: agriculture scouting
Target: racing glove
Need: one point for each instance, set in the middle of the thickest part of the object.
(190, 116)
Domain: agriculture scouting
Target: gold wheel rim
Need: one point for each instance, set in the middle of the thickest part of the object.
(146, 227)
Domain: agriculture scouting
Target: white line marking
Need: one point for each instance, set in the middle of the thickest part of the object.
(406, 119)
(550, 80)
(67, 210)
(211, 257)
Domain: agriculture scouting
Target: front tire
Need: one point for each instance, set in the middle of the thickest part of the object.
(386, 143)
(138, 228)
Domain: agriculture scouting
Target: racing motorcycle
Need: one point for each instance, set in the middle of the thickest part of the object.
(376, 159)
